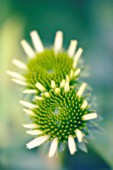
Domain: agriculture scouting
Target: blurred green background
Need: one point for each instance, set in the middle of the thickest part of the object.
(91, 23)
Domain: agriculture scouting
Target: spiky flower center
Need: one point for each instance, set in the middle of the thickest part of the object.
(47, 66)
(60, 114)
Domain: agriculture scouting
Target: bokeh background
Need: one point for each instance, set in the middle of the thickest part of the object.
(91, 23)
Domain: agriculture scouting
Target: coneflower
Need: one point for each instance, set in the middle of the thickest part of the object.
(46, 64)
(59, 116)
(59, 112)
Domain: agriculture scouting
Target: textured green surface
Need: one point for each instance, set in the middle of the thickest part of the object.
(47, 66)
(60, 114)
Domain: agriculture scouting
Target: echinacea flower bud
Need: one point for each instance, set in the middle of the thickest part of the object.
(47, 64)
(61, 117)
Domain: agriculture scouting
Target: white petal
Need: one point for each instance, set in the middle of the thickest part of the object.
(79, 135)
(34, 132)
(40, 87)
(29, 112)
(19, 64)
(81, 89)
(53, 84)
(72, 47)
(39, 98)
(62, 84)
(28, 104)
(71, 144)
(30, 91)
(53, 147)
(27, 48)
(71, 74)
(57, 90)
(34, 141)
(37, 41)
(15, 75)
(77, 56)
(66, 87)
(20, 82)
(46, 94)
(84, 104)
(67, 78)
(58, 41)
(77, 72)
(37, 141)
(30, 126)
(90, 116)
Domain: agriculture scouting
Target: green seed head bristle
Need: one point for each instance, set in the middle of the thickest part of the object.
(60, 115)
(47, 66)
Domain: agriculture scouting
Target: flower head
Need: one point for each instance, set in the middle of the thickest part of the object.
(60, 116)
(46, 64)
